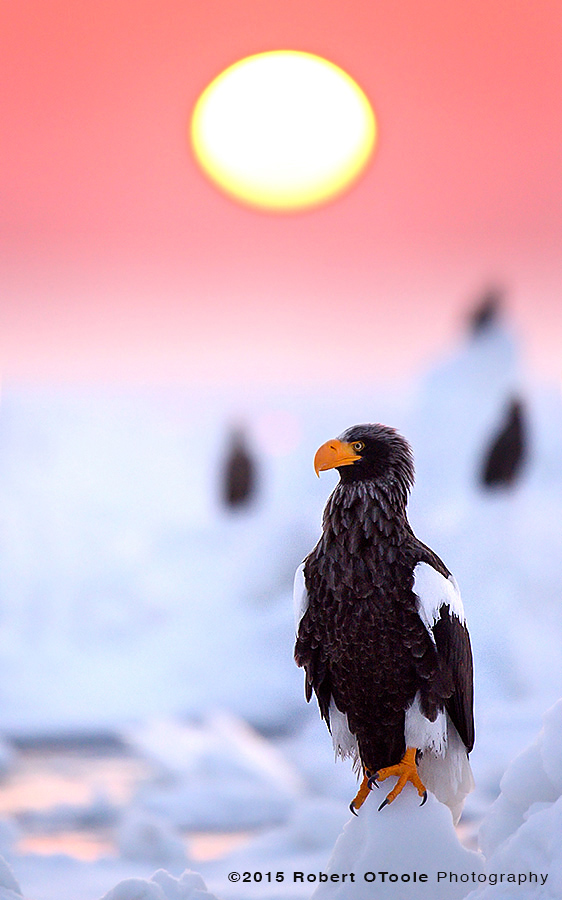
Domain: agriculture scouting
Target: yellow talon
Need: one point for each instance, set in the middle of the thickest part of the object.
(362, 793)
(405, 771)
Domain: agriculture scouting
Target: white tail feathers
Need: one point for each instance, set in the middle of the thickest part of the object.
(443, 766)
(449, 776)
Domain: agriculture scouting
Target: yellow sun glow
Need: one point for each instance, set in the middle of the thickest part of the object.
(283, 130)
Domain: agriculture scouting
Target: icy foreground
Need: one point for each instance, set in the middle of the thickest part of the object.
(522, 833)
(162, 886)
(521, 838)
(404, 848)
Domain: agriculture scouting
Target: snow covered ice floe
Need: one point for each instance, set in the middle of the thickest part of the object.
(149, 838)
(522, 833)
(401, 840)
(162, 886)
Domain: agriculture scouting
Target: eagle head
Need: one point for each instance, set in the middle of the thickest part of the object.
(369, 453)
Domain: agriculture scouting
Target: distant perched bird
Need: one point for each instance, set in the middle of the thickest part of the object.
(505, 457)
(381, 629)
(239, 472)
(487, 311)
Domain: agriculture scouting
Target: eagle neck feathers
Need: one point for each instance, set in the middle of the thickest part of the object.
(373, 510)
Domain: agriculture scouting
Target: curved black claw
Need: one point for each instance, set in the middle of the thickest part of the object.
(424, 798)
(372, 782)
(352, 808)
(384, 803)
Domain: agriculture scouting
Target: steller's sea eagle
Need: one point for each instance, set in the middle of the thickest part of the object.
(239, 472)
(506, 454)
(381, 631)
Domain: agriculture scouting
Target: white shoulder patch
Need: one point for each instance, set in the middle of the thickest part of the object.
(433, 591)
(300, 596)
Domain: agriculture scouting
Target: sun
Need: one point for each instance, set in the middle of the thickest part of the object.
(283, 130)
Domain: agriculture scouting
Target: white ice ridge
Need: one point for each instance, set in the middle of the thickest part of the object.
(402, 839)
(522, 834)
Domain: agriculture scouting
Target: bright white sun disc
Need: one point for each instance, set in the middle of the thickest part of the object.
(283, 130)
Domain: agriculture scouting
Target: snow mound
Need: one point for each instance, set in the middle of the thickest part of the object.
(162, 886)
(149, 838)
(9, 888)
(402, 839)
(521, 835)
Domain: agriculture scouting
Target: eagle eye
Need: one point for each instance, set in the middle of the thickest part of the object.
(358, 446)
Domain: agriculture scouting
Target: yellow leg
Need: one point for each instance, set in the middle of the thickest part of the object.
(362, 793)
(405, 771)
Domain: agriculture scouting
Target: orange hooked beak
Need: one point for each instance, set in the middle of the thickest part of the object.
(334, 454)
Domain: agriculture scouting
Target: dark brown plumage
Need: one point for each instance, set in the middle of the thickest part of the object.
(505, 457)
(487, 311)
(362, 640)
(239, 472)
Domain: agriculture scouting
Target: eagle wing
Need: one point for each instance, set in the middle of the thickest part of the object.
(441, 610)
(308, 652)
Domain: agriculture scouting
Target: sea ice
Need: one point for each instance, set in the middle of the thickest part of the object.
(162, 886)
(401, 840)
(522, 833)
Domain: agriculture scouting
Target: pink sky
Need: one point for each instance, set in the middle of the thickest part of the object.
(121, 262)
